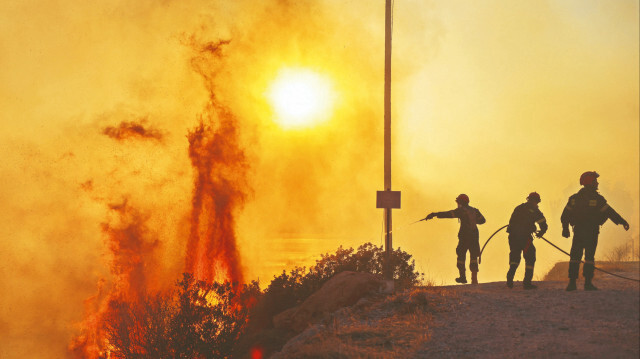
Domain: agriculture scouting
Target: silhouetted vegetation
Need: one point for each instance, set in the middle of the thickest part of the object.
(198, 320)
(213, 320)
(290, 289)
(622, 252)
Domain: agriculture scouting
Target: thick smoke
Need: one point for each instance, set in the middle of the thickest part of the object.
(495, 100)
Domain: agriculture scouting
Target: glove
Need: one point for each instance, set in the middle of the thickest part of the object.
(565, 232)
(431, 215)
(540, 234)
(625, 224)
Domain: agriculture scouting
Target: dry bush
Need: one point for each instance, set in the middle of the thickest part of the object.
(214, 320)
(196, 320)
(620, 253)
(627, 251)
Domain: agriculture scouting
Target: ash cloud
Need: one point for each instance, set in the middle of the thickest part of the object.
(132, 130)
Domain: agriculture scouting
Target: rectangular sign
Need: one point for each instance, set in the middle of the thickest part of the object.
(388, 199)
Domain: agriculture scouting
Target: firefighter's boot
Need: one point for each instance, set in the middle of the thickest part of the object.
(463, 277)
(588, 285)
(529, 286)
(528, 275)
(572, 285)
(474, 277)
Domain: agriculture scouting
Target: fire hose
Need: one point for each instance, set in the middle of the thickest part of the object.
(558, 248)
(601, 270)
(403, 226)
(408, 224)
(485, 243)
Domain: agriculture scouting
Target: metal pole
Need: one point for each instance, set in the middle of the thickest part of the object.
(388, 275)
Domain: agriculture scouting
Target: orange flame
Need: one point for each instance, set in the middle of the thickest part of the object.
(220, 187)
(220, 180)
(220, 167)
(132, 250)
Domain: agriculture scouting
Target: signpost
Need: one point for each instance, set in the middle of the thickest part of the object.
(387, 199)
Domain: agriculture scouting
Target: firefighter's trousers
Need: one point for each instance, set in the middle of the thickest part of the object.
(521, 245)
(468, 242)
(584, 240)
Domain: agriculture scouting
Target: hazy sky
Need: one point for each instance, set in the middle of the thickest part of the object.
(494, 99)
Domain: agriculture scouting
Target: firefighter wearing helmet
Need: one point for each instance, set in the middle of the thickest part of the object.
(585, 212)
(468, 237)
(521, 227)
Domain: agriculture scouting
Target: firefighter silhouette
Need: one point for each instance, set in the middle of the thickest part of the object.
(586, 211)
(522, 225)
(468, 237)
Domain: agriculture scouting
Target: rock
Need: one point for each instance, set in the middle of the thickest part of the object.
(343, 290)
(304, 337)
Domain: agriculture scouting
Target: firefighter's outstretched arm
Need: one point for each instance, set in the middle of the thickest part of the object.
(447, 214)
(615, 217)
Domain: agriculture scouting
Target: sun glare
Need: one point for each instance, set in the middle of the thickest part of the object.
(300, 98)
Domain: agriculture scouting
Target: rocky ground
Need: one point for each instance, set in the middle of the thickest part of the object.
(487, 320)
(490, 320)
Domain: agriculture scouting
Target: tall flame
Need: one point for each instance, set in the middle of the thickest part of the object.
(220, 185)
(220, 171)
(221, 168)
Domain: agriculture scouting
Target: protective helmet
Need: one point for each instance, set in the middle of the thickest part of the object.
(534, 196)
(462, 199)
(588, 177)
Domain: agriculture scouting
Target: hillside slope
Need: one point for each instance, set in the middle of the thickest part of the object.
(484, 321)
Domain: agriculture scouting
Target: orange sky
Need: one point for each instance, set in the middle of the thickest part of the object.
(494, 100)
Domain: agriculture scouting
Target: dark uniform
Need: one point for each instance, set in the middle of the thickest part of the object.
(522, 225)
(586, 211)
(468, 236)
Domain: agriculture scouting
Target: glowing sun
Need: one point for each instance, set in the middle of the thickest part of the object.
(300, 98)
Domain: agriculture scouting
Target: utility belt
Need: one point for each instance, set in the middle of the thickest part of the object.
(521, 235)
(586, 228)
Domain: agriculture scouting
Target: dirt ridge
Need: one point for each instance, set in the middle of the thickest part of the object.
(487, 320)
